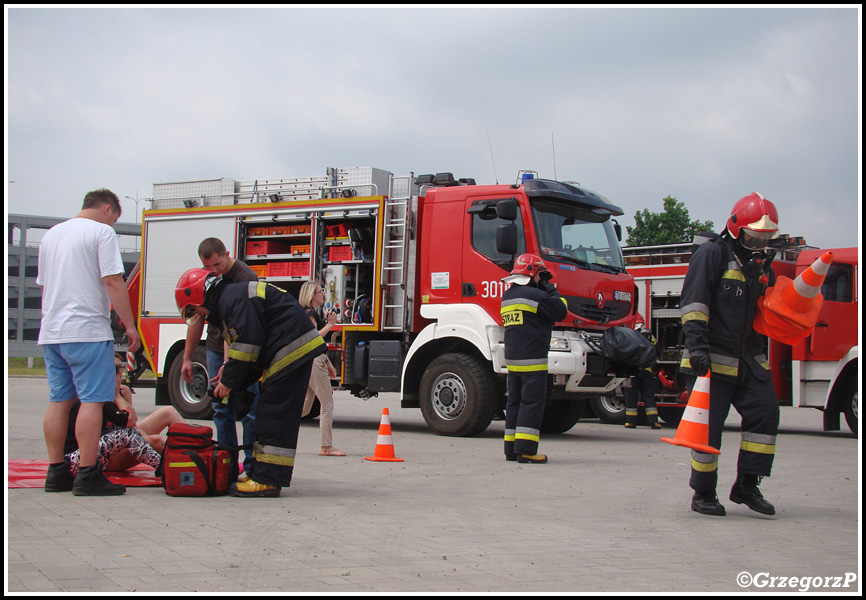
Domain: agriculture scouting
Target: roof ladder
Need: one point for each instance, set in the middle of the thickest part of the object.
(395, 254)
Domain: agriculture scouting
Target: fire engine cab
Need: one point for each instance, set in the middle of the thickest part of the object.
(820, 372)
(414, 267)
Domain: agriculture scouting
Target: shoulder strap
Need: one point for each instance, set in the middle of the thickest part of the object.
(199, 463)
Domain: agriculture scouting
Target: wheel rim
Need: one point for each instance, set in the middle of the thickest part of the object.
(612, 403)
(194, 393)
(449, 396)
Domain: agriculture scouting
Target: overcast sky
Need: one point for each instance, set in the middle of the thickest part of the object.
(703, 104)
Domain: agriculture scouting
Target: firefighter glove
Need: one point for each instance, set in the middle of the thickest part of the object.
(700, 361)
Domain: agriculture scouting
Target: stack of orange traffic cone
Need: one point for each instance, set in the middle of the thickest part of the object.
(694, 429)
(788, 311)
(384, 444)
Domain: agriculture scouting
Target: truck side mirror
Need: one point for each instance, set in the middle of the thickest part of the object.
(618, 229)
(507, 209)
(506, 239)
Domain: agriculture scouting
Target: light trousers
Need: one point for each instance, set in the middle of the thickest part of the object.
(320, 387)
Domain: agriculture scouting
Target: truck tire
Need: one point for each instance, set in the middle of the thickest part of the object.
(190, 399)
(609, 408)
(561, 415)
(458, 395)
(849, 406)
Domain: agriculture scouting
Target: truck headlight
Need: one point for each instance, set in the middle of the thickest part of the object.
(560, 344)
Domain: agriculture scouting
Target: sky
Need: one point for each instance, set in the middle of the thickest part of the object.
(703, 104)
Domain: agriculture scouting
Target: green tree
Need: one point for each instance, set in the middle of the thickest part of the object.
(668, 227)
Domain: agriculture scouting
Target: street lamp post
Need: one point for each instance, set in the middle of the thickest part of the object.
(137, 200)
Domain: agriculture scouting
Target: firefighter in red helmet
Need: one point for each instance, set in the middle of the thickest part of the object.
(269, 337)
(530, 308)
(727, 275)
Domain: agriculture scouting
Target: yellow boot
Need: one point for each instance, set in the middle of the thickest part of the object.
(252, 489)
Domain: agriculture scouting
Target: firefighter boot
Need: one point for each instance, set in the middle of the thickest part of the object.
(707, 503)
(252, 489)
(91, 481)
(537, 459)
(59, 478)
(745, 491)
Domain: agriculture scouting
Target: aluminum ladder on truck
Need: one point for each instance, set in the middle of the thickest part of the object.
(395, 255)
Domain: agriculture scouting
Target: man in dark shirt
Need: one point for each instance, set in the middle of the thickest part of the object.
(216, 259)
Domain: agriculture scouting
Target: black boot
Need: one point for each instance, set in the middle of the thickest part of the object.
(59, 478)
(707, 503)
(745, 491)
(91, 481)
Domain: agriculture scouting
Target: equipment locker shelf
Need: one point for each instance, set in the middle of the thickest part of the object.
(279, 252)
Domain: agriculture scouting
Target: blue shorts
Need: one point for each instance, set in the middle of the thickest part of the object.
(83, 370)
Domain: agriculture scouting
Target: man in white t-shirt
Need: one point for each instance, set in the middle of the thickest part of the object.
(81, 275)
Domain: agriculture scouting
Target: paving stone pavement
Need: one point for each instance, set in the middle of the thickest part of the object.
(609, 513)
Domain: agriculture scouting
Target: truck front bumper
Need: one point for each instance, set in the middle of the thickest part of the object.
(569, 362)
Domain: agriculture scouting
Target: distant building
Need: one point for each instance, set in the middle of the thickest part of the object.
(24, 310)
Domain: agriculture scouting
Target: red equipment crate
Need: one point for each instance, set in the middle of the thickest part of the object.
(336, 231)
(340, 253)
(300, 269)
(267, 247)
(283, 269)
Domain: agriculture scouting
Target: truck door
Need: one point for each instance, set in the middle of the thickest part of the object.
(834, 334)
(483, 266)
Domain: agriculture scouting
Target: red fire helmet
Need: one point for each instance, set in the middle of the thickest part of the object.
(754, 221)
(192, 289)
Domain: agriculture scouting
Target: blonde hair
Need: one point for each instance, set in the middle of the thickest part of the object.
(308, 290)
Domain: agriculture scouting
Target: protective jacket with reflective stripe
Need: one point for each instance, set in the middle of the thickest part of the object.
(267, 332)
(529, 314)
(718, 305)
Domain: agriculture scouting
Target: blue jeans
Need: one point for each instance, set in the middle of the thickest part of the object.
(224, 415)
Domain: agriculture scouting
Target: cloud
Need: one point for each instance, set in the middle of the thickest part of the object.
(702, 104)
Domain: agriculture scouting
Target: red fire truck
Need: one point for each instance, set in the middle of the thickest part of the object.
(821, 372)
(414, 266)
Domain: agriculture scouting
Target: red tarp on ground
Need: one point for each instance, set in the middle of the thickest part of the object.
(30, 473)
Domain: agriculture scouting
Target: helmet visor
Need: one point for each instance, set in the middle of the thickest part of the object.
(756, 240)
(189, 314)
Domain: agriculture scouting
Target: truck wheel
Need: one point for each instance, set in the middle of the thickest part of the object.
(190, 399)
(561, 415)
(609, 408)
(849, 406)
(458, 393)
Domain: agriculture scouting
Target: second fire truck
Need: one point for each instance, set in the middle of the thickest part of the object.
(821, 372)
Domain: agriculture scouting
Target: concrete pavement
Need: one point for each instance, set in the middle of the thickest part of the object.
(609, 513)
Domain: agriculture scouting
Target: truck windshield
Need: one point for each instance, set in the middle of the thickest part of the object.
(570, 233)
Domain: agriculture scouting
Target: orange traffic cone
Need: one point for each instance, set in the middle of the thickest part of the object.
(788, 311)
(384, 444)
(694, 429)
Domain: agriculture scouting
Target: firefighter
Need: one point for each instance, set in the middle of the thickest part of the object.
(530, 307)
(726, 276)
(642, 388)
(269, 336)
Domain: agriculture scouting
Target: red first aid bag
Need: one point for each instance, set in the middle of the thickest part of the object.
(193, 465)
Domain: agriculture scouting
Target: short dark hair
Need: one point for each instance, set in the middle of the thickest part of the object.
(102, 196)
(211, 246)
